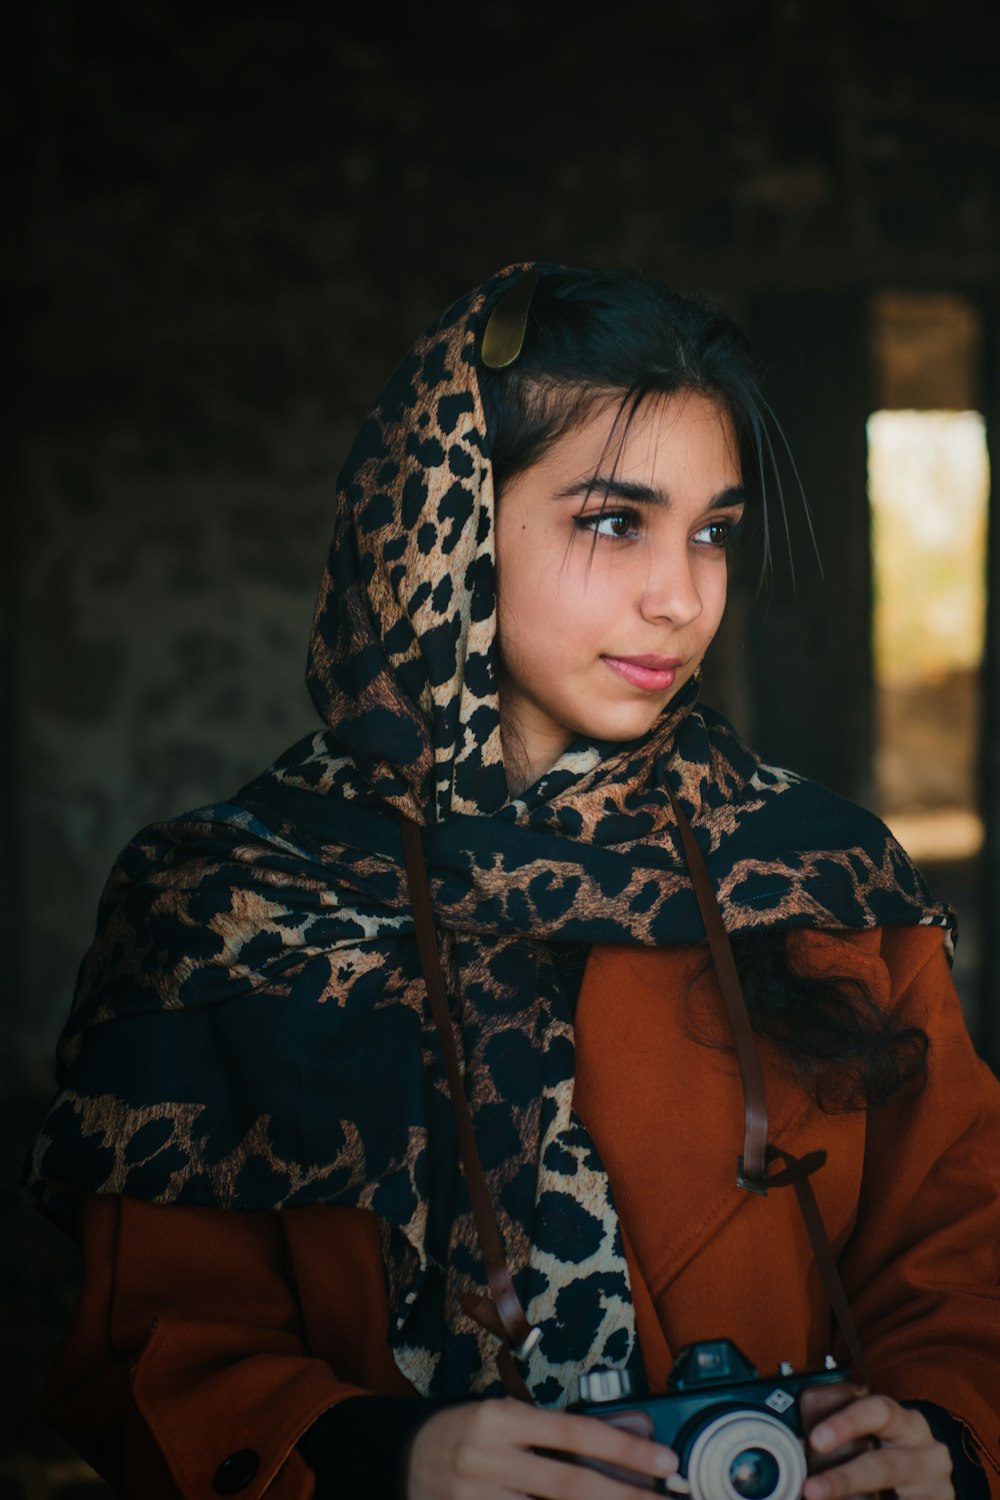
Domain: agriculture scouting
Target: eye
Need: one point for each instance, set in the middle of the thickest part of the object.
(715, 533)
(621, 525)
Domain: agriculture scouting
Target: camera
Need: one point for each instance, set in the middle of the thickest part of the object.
(738, 1435)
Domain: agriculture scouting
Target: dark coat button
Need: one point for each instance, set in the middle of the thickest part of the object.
(235, 1472)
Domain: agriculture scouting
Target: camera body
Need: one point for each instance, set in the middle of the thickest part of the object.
(737, 1435)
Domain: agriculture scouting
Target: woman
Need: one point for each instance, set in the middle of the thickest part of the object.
(285, 1289)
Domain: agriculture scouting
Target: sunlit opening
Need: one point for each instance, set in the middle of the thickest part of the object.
(928, 478)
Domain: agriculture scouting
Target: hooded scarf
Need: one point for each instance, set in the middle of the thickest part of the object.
(250, 1028)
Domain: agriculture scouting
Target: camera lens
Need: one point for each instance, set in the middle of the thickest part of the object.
(754, 1474)
(743, 1454)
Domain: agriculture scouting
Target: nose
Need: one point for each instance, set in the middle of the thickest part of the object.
(671, 591)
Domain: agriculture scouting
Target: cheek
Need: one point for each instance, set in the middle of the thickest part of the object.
(538, 626)
(712, 587)
(541, 593)
(520, 610)
(580, 613)
(723, 593)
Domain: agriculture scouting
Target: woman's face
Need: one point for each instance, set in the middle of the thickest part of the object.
(611, 573)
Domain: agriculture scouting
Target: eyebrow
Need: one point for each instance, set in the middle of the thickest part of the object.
(645, 494)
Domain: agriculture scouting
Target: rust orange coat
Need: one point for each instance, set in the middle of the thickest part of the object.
(201, 1332)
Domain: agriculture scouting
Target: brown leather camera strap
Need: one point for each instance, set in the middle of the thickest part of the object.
(501, 1312)
(796, 1174)
(751, 1167)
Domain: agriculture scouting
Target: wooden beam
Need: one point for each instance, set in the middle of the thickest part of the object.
(989, 1039)
(810, 645)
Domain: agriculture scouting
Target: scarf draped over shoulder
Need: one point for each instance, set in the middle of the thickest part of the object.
(250, 1028)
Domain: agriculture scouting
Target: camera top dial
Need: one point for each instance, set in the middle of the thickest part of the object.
(603, 1385)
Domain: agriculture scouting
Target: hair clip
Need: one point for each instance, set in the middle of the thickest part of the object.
(503, 336)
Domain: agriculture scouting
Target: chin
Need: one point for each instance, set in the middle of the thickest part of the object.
(624, 728)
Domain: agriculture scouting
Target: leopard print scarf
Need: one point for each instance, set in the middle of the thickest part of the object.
(250, 1028)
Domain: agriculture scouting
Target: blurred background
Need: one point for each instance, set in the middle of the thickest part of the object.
(227, 222)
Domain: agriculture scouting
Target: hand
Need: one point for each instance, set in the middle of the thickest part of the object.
(910, 1460)
(488, 1451)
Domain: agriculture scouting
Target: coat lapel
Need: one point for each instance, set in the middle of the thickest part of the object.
(664, 1105)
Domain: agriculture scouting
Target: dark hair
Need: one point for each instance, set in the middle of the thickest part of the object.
(591, 335)
(836, 1038)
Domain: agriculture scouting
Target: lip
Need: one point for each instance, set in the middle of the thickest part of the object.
(653, 674)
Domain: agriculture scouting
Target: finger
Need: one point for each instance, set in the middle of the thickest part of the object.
(871, 1416)
(907, 1470)
(558, 1479)
(586, 1437)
